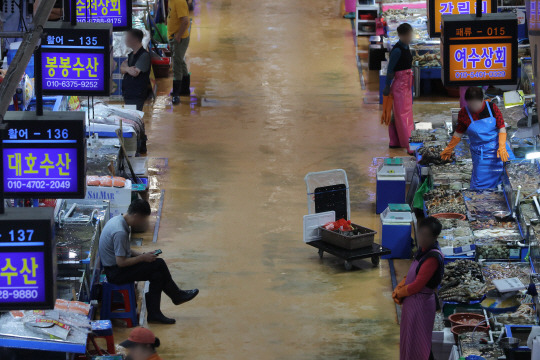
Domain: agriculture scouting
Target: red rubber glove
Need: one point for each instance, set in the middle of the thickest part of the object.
(501, 152)
(446, 154)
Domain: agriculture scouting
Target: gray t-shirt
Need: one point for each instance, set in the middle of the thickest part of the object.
(114, 241)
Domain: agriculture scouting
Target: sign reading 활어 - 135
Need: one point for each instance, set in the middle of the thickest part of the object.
(479, 50)
(115, 12)
(437, 8)
(45, 156)
(76, 60)
(27, 259)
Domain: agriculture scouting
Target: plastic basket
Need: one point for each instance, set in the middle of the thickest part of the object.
(364, 239)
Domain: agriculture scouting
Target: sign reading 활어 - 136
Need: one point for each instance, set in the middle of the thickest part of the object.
(115, 12)
(76, 60)
(479, 50)
(27, 259)
(437, 8)
(45, 156)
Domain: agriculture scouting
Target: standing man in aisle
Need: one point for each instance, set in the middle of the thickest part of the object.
(136, 70)
(178, 33)
(123, 265)
(399, 81)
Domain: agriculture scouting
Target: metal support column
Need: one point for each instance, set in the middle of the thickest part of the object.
(22, 57)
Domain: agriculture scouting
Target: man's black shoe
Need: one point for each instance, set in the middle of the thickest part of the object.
(185, 89)
(160, 318)
(187, 295)
(394, 147)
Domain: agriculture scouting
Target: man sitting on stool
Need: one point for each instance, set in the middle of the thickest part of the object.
(123, 265)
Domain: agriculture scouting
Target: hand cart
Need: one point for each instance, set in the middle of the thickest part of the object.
(374, 252)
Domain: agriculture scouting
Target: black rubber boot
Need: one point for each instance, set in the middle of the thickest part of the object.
(176, 92)
(177, 295)
(153, 308)
(185, 89)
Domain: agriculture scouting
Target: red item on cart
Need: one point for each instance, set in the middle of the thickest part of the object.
(341, 224)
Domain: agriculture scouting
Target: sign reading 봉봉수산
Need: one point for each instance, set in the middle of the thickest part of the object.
(115, 12)
(438, 8)
(75, 60)
(479, 50)
(27, 259)
(45, 157)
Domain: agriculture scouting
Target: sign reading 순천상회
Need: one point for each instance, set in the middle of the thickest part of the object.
(437, 8)
(27, 259)
(76, 60)
(45, 156)
(115, 12)
(479, 50)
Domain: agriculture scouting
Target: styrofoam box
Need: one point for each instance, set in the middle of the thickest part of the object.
(117, 196)
(118, 210)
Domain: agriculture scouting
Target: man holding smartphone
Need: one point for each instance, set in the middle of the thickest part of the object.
(123, 265)
(178, 33)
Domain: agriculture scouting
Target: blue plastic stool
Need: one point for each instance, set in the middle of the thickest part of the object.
(126, 309)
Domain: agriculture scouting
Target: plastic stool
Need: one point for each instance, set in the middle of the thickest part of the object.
(102, 329)
(127, 305)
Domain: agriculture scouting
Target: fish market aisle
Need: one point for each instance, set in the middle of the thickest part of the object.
(278, 96)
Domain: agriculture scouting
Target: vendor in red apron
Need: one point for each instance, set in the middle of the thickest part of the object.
(416, 294)
(399, 82)
(484, 125)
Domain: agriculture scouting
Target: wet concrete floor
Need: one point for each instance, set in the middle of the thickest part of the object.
(277, 96)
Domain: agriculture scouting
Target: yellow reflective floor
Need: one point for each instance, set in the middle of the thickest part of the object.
(278, 95)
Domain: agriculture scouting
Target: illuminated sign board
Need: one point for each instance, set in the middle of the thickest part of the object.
(479, 50)
(115, 12)
(438, 8)
(76, 60)
(27, 259)
(45, 157)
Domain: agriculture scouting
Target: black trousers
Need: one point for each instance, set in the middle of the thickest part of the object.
(156, 272)
(139, 102)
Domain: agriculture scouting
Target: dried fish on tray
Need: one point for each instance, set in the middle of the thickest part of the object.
(462, 282)
(482, 204)
(496, 271)
(499, 234)
(450, 224)
(525, 315)
(525, 174)
(493, 224)
(470, 345)
(432, 155)
(439, 201)
(456, 236)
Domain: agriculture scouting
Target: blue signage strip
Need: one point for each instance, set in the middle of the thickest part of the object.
(27, 259)
(118, 13)
(44, 158)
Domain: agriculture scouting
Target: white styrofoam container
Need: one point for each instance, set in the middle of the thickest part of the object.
(116, 196)
(118, 210)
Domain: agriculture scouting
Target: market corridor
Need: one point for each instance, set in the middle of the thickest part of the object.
(278, 96)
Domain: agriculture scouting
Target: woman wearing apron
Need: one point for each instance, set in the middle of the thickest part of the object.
(416, 294)
(399, 82)
(483, 123)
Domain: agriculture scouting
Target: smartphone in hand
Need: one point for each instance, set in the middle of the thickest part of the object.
(157, 252)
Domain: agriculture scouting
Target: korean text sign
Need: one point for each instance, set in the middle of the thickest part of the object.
(115, 12)
(44, 158)
(479, 51)
(27, 259)
(76, 60)
(438, 8)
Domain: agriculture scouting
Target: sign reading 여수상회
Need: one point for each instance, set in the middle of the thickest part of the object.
(437, 8)
(27, 259)
(76, 60)
(479, 50)
(115, 12)
(45, 157)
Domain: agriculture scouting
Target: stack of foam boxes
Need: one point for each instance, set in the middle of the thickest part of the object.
(119, 197)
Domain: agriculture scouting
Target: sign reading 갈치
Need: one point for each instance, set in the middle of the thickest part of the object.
(438, 8)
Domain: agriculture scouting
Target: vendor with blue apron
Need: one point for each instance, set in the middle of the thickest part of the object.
(483, 122)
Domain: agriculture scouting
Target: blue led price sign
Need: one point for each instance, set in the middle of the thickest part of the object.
(44, 158)
(76, 60)
(479, 50)
(27, 259)
(115, 12)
